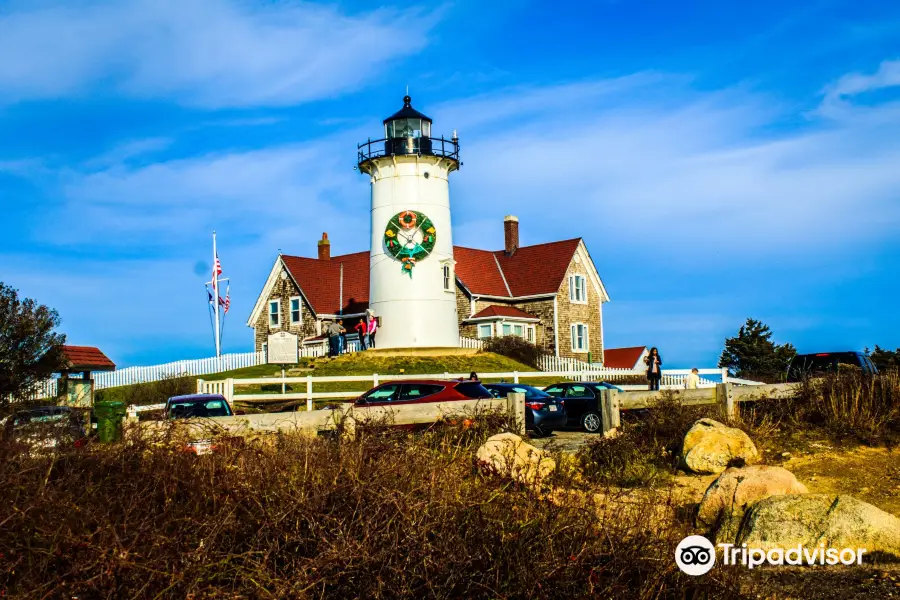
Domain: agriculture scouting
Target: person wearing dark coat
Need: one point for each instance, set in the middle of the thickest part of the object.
(654, 368)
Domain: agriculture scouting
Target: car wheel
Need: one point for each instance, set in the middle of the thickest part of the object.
(591, 422)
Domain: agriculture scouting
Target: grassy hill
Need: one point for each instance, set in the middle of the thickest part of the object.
(350, 364)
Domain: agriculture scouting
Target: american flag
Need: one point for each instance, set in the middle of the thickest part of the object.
(217, 270)
(227, 301)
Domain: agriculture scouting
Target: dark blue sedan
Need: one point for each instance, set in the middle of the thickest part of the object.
(543, 412)
(582, 402)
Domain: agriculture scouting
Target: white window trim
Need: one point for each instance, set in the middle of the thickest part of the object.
(269, 313)
(530, 329)
(573, 278)
(447, 278)
(299, 310)
(587, 339)
(478, 330)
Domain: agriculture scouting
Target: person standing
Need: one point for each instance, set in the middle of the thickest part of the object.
(342, 337)
(372, 327)
(363, 333)
(693, 380)
(334, 336)
(654, 368)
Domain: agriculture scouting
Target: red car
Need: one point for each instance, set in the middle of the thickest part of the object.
(420, 391)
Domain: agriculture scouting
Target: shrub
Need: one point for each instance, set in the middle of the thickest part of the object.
(516, 348)
(378, 517)
(846, 403)
(646, 450)
(623, 460)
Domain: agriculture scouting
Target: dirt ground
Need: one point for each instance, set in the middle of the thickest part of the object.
(869, 474)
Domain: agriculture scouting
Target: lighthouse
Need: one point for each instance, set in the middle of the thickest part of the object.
(412, 286)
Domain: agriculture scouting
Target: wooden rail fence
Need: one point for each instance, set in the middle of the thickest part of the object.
(226, 387)
(347, 417)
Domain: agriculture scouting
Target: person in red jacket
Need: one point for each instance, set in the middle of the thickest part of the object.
(363, 332)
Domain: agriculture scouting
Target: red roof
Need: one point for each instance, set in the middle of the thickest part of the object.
(622, 358)
(502, 311)
(477, 269)
(87, 358)
(320, 281)
(532, 270)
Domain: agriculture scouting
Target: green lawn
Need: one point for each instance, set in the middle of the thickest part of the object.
(350, 364)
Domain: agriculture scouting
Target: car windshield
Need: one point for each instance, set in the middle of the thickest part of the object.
(185, 409)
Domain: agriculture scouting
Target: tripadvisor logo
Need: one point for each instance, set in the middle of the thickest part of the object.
(696, 555)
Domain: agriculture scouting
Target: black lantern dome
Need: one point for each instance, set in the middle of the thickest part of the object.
(408, 132)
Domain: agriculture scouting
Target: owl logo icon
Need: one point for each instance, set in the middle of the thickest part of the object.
(695, 555)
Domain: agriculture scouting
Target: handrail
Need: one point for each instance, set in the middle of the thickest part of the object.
(439, 147)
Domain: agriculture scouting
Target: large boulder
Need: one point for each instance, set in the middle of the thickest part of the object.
(812, 520)
(710, 447)
(728, 497)
(507, 455)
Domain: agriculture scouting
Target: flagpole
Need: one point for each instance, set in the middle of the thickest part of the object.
(215, 283)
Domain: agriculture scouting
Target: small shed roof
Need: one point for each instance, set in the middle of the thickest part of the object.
(623, 358)
(87, 358)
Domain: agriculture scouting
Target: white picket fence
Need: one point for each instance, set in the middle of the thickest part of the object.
(203, 366)
(671, 378)
(228, 362)
(467, 342)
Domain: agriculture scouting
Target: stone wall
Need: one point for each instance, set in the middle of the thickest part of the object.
(589, 314)
(283, 290)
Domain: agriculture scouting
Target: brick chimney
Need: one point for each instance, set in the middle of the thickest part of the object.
(324, 248)
(511, 234)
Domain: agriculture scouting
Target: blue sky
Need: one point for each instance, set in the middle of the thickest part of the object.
(722, 160)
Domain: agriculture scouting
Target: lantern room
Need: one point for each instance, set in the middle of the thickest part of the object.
(407, 123)
(408, 132)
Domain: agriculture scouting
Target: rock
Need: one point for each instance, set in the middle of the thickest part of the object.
(728, 497)
(507, 455)
(710, 446)
(811, 520)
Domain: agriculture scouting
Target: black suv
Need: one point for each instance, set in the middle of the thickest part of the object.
(812, 365)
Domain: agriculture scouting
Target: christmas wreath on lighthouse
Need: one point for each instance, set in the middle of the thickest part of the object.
(409, 237)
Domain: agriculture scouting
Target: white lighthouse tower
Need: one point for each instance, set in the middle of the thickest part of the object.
(412, 287)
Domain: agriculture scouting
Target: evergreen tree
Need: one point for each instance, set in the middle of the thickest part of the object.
(885, 359)
(753, 355)
(30, 349)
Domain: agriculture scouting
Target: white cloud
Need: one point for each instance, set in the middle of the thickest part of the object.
(711, 177)
(710, 182)
(207, 53)
(839, 94)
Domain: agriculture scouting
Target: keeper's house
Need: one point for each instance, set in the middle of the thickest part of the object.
(549, 294)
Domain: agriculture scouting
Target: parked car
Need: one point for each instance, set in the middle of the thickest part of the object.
(812, 365)
(396, 393)
(543, 412)
(202, 406)
(44, 428)
(197, 406)
(582, 402)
